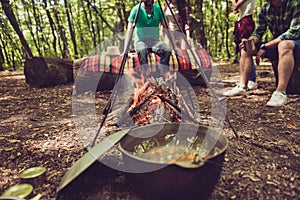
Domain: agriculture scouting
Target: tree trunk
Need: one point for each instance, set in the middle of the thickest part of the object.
(13, 21)
(87, 21)
(29, 24)
(198, 25)
(294, 82)
(71, 28)
(1, 60)
(227, 28)
(120, 21)
(48, 71)
(63, 43)
(52, 25)
(4, 50)
(100, 14)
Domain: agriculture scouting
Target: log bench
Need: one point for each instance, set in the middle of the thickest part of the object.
(48, 71)
(99, 72)
(294, 83)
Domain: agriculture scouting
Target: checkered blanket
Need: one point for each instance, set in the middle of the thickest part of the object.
(111, 64)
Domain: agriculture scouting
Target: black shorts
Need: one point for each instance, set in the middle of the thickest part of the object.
(272, 54)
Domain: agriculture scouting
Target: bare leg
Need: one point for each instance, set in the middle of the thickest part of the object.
(245, 67)
(285, 64)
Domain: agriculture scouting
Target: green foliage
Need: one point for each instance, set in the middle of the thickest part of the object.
(94, 21)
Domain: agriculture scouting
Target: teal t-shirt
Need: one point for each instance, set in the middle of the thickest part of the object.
(147, 25)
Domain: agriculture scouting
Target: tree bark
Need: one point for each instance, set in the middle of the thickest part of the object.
(61, 31)
(87, 21)
(227, 28)
(71, 28)
(13, 21)
(101, 16)
(198, 25)
(4, 50)
(1, 59)
(92, 25)
(48, 71)
(120, 21)
(29, 23)
(52, 25)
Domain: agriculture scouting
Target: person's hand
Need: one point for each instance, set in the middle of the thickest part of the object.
(234, 7)
(161, 34)
(260, 54)
(241, 45)
(235, 11)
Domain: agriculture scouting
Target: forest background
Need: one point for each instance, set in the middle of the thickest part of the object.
(74, 28)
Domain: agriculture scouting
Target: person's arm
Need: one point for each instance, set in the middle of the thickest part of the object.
(188, 22)
(293, 33)
(128, 34)
(130, 27)
(239, 3)
(164, 22)
(261, 24)
(234, 3)
(162, 32)
(164, 25)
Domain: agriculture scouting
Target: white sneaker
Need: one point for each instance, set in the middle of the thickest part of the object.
(236, 91)
(252, 85)
(277, 99)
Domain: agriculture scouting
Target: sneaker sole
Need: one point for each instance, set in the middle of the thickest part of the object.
(252, 88)
(234, 95)
(277, 105)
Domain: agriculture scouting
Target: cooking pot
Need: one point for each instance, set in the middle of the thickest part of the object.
(157, 177)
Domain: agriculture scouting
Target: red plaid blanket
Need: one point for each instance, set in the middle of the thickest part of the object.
(111, 64)
(243, 28)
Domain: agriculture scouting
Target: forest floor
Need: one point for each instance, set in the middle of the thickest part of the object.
(37, 129)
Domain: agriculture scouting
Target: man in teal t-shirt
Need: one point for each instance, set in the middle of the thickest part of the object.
(147, 40)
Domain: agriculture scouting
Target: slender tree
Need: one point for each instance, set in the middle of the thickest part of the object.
(198, 23)
(13, 21)
(63, 43)
(52, 25)
(58, 27)
(5, 57)
(1, 57)
(71, 28)
(227, 28)
(29, 25)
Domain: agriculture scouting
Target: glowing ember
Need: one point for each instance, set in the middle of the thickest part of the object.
(153, 99)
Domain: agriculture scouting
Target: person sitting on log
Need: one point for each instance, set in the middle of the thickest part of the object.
(150, 16)
(282, 17)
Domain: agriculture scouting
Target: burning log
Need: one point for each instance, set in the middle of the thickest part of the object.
(155, 100)
(151, 104)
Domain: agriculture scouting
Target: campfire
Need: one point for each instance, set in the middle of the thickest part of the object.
(156, 99)
(154, 103)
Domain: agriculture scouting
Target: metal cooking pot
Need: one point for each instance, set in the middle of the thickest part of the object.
(155, 179)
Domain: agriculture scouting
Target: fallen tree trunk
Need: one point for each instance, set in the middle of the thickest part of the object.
(48, 71)
(294, 82)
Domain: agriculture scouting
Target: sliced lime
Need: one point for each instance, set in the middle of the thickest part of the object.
(32, 172)
(19, 190)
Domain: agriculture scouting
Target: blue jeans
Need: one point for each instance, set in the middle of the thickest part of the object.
(252, 76)
(143, 48)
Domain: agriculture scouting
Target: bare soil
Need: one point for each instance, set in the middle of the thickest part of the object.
(37, 129)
